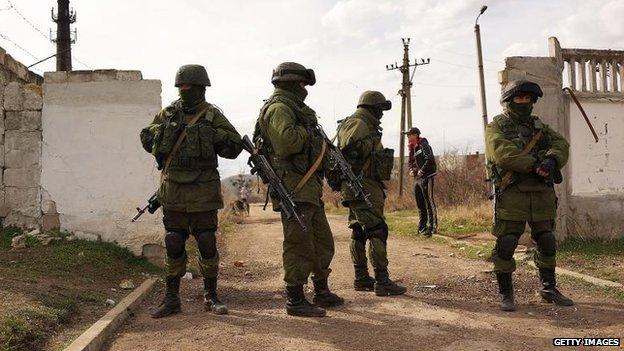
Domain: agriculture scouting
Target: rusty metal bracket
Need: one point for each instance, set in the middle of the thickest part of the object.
(578, 104)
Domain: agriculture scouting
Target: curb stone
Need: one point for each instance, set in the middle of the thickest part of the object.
(94, 338)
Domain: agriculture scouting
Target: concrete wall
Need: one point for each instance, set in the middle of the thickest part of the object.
(596, 201)
(597, 168)
(94, 171)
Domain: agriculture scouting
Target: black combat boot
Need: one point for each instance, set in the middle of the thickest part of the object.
(363, 281)
(505, 289)
(211, 301)
(323, 297)
(549, 290)
(297, 305)
(171, 303)
(386, 287)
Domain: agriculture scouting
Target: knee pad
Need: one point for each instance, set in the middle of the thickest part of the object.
(175, 244)
(207, 243)
(357, 233)
(546, 244)
(505, 246)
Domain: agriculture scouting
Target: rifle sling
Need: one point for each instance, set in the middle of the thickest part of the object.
(312, 169)
(506, 181)
(177, 145)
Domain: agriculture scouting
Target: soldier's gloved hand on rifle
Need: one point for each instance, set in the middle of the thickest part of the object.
(546, 167)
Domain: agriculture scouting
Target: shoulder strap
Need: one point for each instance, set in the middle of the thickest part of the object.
(178, 143)
(527, 148)
(315, 166)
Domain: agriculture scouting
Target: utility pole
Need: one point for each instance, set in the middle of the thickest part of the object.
(406, 101)
(477, 30)
(64, 38)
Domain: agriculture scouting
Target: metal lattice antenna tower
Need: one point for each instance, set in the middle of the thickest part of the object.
(406, 100)
(64, 36)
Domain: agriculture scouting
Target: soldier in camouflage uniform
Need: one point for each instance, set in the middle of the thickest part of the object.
(528, 195)
(190, 191)
(359, 139)
(286, 127)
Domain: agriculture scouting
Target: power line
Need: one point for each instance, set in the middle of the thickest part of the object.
(11, 6)
(18, 46)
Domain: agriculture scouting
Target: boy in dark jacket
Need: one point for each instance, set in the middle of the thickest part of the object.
(422, 166)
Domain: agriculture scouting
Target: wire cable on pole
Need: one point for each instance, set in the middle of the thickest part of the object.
(27, 21)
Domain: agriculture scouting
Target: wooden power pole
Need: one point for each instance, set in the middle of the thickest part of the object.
(64, 18)
(406, 101)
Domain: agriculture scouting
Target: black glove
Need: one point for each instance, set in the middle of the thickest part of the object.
(547, 166)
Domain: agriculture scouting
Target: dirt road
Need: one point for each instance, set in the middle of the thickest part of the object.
(451, 304)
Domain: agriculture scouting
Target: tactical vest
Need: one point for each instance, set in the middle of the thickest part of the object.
(378, 165)
(299, 162)
(520, 135)
(197, 151)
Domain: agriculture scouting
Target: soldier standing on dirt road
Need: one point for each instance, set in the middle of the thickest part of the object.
(525, 157)
(287, 127)
(185, 138)
(359, 138)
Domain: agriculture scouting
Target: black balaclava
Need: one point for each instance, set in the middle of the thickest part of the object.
(293, 87)
(523, 109)
(376, 111)
(192, 97)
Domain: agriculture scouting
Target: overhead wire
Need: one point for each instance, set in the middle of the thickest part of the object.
(38, 30)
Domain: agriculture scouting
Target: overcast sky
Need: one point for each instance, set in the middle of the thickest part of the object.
(347, 43)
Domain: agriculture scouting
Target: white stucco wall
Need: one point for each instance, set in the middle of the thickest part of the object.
(597, 168)
(93, 165)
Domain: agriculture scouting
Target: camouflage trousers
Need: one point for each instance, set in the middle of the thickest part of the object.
(307, 252)
(179, 226)
(368, 224)
(507, 235)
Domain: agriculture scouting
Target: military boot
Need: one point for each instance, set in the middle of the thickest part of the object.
(297, 305)
(549, 290)
(211, 301)
(171, 303)
(505, 289)
(323, 297)
(363, 281)
(386, 287)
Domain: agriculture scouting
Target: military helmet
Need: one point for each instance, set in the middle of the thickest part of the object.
(521, 86)
(192, 74)
(374, 98)
(293, 72)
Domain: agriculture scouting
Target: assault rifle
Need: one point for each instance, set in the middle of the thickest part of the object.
(261, 166)
(353, 182)
(151, 207)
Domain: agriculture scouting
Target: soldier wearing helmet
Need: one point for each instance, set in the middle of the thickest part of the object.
(185, 138)
(359, 138)
(524, 181)
(285, 131)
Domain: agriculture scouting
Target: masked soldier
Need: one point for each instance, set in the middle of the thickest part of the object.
(525, 157)
(359, 138)
(286, 128)
(185, 138)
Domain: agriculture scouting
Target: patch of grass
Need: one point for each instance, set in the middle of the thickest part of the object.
(6, 236)
(66, 257)
(28, 328)
(604, 291)
(592, 249)
(603, 259)
(452, 221)
(49, 285)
